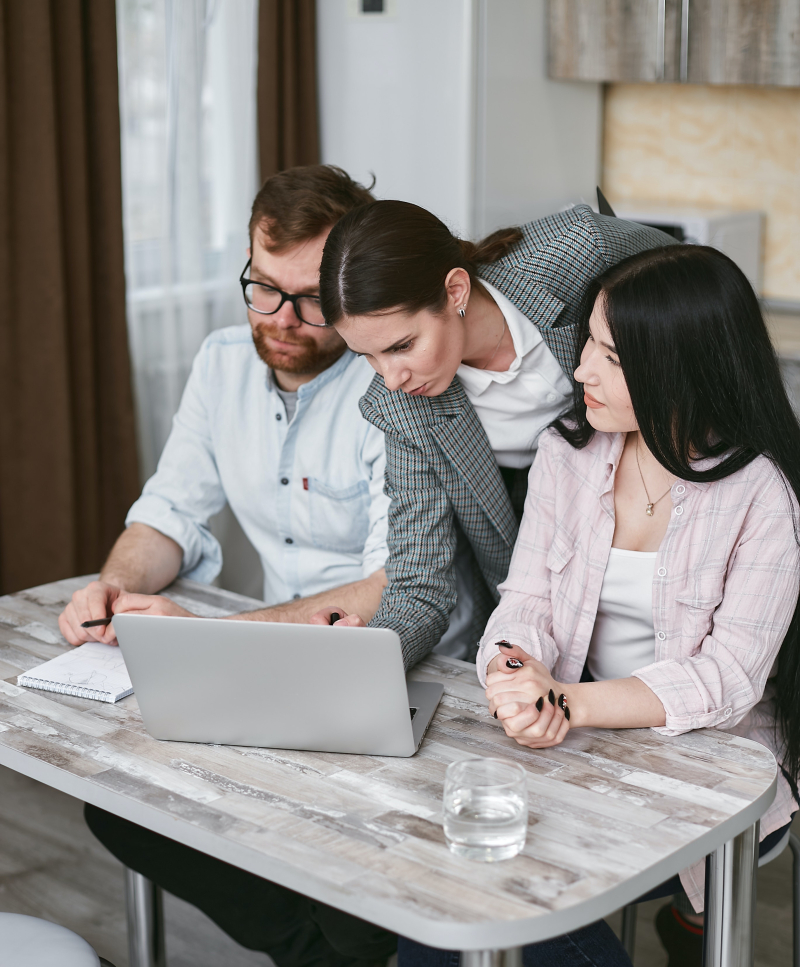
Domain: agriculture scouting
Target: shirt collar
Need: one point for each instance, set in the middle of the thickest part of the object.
(524, 336)
(615, 443)
(314, 385)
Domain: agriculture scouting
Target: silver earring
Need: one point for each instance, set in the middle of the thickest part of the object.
(462, 311)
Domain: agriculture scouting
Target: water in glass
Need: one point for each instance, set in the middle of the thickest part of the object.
(485, 808)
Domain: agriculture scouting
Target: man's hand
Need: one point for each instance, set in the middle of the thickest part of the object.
(142, 559)
(127, 603)
(323, 617)
(94, 601)
(526, 699)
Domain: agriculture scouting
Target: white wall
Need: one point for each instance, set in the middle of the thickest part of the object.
(396, 100)
(448, 102)
(538, 141)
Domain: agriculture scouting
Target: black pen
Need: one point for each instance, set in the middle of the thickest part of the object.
(335, 616)
(96, 623)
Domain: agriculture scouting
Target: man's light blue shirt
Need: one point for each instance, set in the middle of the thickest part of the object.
(308, 494)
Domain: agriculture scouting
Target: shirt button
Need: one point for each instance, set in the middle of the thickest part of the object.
(680, 489)
(289, 540)
(284, 480)
(296, 597)
(679, 511)
(278, 416)
(551, 397)
(662, 571)
(728, 711)
(661, 636)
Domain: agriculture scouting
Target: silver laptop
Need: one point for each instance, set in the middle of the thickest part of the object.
(279, 686)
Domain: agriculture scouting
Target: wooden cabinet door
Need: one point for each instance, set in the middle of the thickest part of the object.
(614, 40)
(744, 42)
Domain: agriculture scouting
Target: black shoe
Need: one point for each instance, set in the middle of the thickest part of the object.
(682, 940)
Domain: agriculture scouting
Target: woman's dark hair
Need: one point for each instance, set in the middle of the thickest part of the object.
(395, 255)
(704, 381)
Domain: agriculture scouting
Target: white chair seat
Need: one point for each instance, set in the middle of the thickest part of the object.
(30, 942)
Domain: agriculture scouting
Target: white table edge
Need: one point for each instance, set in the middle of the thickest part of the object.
(491, 935)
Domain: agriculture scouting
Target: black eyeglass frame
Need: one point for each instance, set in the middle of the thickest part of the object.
(285, 297)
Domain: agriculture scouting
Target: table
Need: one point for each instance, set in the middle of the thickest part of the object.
(612, 813)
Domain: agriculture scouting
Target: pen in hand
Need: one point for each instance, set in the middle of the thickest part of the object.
(97, 622)
(335, 616)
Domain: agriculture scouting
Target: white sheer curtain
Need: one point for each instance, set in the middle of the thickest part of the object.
(189, 167)
(187, 71)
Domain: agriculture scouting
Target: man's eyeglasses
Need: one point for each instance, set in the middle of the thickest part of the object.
(267, 300)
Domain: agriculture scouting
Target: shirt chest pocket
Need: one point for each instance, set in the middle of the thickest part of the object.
(558, 558)
(559, 554)
(338, 516)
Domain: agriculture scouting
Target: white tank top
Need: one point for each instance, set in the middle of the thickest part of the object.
(623, 638)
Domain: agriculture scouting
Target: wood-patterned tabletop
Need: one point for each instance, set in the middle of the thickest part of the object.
(612, 813)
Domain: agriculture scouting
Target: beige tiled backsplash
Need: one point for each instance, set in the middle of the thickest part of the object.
(728, 147)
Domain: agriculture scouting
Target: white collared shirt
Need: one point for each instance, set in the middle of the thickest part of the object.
(515, 406)
(308, 493)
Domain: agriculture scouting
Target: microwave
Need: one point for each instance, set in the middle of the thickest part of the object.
(739, 234)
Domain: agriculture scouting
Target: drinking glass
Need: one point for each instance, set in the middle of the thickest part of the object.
(485, 808)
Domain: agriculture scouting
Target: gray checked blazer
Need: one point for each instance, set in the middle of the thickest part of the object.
(441, 474)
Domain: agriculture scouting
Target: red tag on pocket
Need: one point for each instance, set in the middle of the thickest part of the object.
(305, 483)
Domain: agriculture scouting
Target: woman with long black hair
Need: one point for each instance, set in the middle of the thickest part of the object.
(655, 579)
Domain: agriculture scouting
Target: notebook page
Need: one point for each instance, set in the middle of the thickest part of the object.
(92, 670)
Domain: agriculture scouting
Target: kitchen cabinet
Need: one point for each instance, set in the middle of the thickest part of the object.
(694, 41)
(744, 42)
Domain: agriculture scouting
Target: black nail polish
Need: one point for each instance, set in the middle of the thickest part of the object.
(514, 663)
(551, 697)
(495, 713)
(566, 714)
(504, 644)
(562, 701)
(540, 703)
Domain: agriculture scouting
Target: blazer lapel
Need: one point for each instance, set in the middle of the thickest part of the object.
(514, 278)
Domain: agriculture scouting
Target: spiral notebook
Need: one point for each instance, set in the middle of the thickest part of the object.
(93, 670)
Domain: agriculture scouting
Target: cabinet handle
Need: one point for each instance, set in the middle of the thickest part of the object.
(661, 39)
(684, 41)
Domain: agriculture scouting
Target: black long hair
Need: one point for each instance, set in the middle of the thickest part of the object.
(704, 381)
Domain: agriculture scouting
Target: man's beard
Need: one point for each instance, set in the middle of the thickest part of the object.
(313, 360)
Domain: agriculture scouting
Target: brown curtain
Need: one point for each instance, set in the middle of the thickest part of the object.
(68, 467)
(288, 127)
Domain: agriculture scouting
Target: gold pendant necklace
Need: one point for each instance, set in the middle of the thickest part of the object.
(650, 503)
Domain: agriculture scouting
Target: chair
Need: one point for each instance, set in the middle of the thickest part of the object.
(629, 912)
(31, 942)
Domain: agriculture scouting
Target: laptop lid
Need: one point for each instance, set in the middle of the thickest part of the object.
(281, 686)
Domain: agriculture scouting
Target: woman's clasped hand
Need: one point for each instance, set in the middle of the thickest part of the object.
(523, 695)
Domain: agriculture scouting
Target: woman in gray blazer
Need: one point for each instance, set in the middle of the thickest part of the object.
(473, 347)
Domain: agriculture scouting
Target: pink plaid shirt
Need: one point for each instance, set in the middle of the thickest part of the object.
(725, 587)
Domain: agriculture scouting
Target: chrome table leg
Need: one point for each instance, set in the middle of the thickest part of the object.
(729, 932)
(628, 938)
(492, 958)
(145, 911)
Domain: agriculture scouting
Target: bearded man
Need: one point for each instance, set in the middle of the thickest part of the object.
(269, 423)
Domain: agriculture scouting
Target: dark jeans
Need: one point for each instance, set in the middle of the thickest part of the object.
(293, 930)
